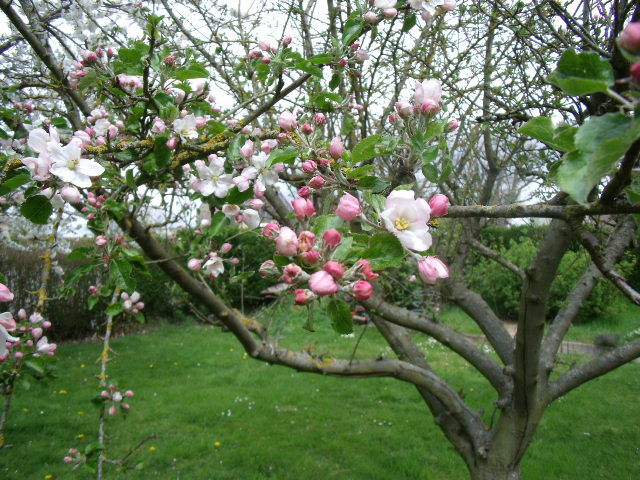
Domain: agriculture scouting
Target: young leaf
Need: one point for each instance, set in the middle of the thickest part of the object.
(582, 73)
(384, 251)
(542, 128)
(37, 209)
(339, 314)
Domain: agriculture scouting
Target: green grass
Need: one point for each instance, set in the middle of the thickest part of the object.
(194, 387)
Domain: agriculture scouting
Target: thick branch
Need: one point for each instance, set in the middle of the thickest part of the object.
(596, 367)
(515, 210)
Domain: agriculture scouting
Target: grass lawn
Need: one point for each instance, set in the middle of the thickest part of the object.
(219, 415)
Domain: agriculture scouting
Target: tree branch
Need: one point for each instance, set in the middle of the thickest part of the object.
(487, 252)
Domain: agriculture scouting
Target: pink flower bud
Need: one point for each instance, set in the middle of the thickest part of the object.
(362, 290)
(172, 143)
(306, 239)
(306, 128)
(336, 147)
(454, 124)
(139, 306)
(361, 55)
(291, 273)
(332, 238)
(235, 260)
(267, 145)
(309, 166)
(100, 141)
(449, 5)
(334, 269)
(311, 257)
(116, 397)
(348, 207)
(321, 283)
(364, 268)
(128, 393)
(284, 138)
(320, 118)
(18, 355)
(629, 39)
(125, 406)
(304, 296)
(194, 264)
(303, 208)
(389, 13)
(67, 459)
(246, 151)
(186, 168)
(287, 121)
(268, 268)
(22, 313)
(111, 52)
(101, 240)
(304, 192)
(635, 71)
(287, 242)
(46, 324)
(5, 294)
(271, 230)
(431, 269)
(70, 194)
(404, 109)
(226, 247)
(316, 182)
(426, 15)
(439, 204)
(286, 41)
(370, 17)
(112, 410)
(430, 107)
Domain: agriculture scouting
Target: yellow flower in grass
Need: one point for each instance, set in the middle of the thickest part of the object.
(217, 444)
(152, 448)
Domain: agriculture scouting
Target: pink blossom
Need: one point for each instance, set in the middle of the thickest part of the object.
(316, 182)
(306, 239)
(336, 147)
(267, 145)
(449, 5)
(36, 333)
(311, 257)
(439, 205)
(128, 393)
(362, 290)
(431, 269)
(303, 208)
(407, 218)
(304, 192)
(304, 296)
(194, 264)
(404, 108)
(286, 41)
(7, 321)
(361, 55)
(112, 410)
(389, 13)
(70, 194)
(320, 118)
(226, 247)
(332, 238)
(348, 207)
(158, 125)
(334, 269)
(306, 128)
(271, 230)
(172, 143)
(256, 203)
(246, 151)
(287, 121)
(268, 268)
(364, 267)
(309, 166)
(321, 283)
(428, 95)
(101, 240)
(287, 242)
(5, 294)
(454, 124)
(370, 17)
(291, 273)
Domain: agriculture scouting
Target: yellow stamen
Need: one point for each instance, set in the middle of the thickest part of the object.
(402, 223)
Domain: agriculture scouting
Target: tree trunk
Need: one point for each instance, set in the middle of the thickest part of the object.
(496, 472)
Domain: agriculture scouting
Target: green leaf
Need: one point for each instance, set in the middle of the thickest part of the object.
(12, 183)
(307, 66)
(115, 309)
(81, 253)
(326, 222)
(92, 302)
(409, 21)
(339, 314)
(60, 123)
(384, 251)
(377, 202)
(600, 143)
(360, 171)
(130, 180)
(321, 58)
(352, 29)
(341, 253)
(365, 149)
(218, 222)
(430, 172)
(285, 155)
(121, 275)
(193, 71)
(37, 209)
(542, 128)
(430, 154)
(375, 184)
(236, 197)
(335, 81)
(34, 368)
(78, 272)
(582, 73)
